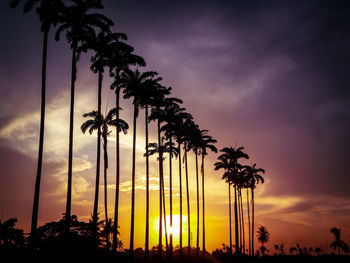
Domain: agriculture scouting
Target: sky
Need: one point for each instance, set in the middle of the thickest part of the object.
(272, 76)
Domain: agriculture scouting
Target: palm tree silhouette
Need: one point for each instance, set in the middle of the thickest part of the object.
(194, 142)
(254, 177)
(49, 14)
(263, 237)
(207, 142)
(157, 114)
(188, 126)
(79, 25)
(147, 94)
(170, 114)
(174, 117)
(338, 244)
(100, 122)
(121, 58)
(229, 162)
(132, 83)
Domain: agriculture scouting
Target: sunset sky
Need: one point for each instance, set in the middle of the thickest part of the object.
(272, 76)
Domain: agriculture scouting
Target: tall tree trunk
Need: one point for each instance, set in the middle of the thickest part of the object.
(70, 152)
(230, 217)
(147, 186)
(98, 160)
(180, 186)
(188, 204)
(171, 199)
(239, 221)
(160, 158)
(236, 223)
(164, 218)
(105, 161)
(41, 144)
(253, 252)
(250, 247)
(242, 216)
(203, 209)
(132, 227)
(116, 206)
(197, 185)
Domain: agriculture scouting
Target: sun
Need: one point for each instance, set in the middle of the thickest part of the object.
(175, 229)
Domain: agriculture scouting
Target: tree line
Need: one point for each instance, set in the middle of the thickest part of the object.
(85, 29)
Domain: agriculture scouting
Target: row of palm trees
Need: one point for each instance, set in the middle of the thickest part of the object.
(85, 31)
(240, 177)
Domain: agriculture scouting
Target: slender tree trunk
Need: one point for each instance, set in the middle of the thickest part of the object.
(188, 204)
(236, 223)
(132, 227)
(197, 185)
(147, 186)
(98, 160)
(116, 206)
(250, 247)
(171, 199)
(253, 252)
(180, 186)
(239, 221)
(164, 218)
(41, 144)
(105, 160)
(203, 209)
(242, 216)
(70, 152)
(230, 217)
(160, 158)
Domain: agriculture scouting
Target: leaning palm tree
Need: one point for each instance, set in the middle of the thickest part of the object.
(207, 143)
(132, 83)
(254, 177)
(100, 122)
(79, 25)
(120, 58)
(49, 14)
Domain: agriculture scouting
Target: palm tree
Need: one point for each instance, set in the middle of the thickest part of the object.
(149, 91)
(263, 237)
(338, 244)
(100, 122)
(254, 177)
(79, 25)
(225, 164)
(121, 58)
(188, 126)
(194, 142)
(229, 162)
(49, 14)
(170, 115)
(165, 147)
(157, 114)
(206, 143)
(132, 83)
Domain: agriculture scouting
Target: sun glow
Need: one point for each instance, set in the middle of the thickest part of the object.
(173, 230)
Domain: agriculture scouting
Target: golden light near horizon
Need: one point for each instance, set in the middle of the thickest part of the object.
(174, 230)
